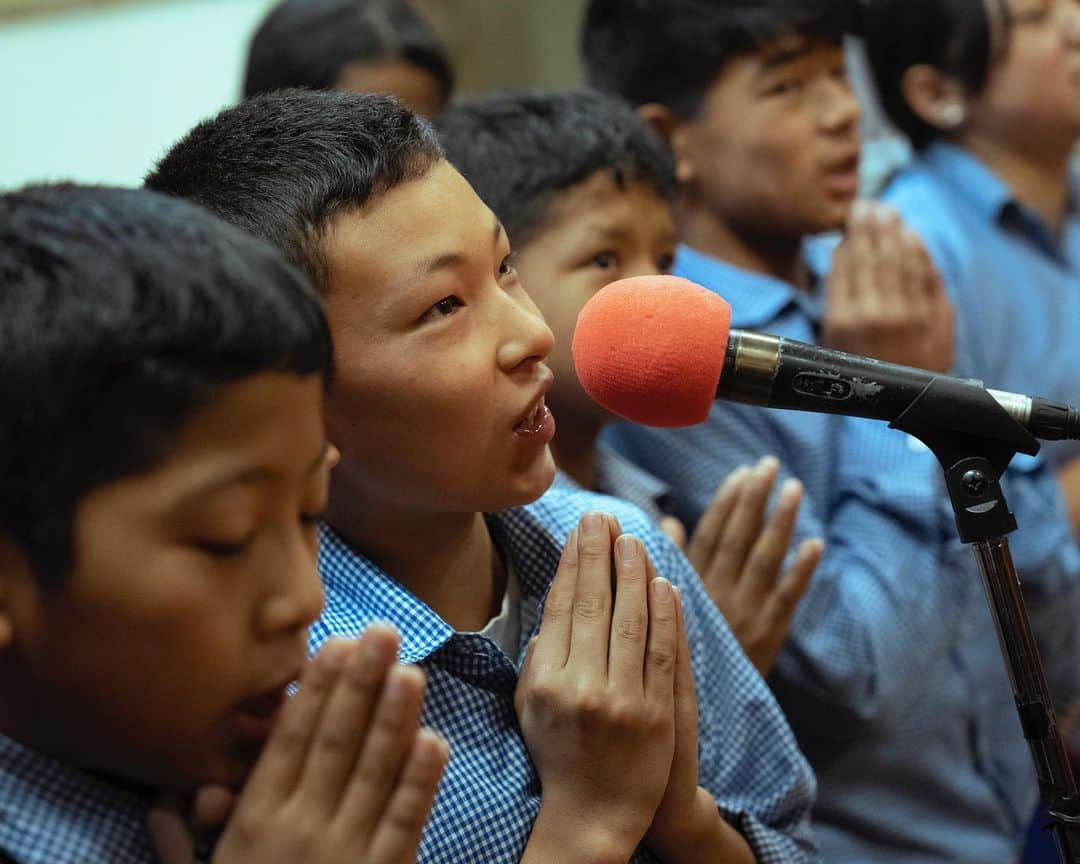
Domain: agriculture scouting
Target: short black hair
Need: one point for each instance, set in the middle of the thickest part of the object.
(283, 164)
(307, 43)
(122, 312)
(954, 36)
(671, 51)
(520, 149)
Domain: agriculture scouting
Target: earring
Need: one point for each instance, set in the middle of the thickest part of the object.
(952, 115)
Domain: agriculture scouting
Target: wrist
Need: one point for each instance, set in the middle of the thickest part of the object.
(573, 835)
(702, 836)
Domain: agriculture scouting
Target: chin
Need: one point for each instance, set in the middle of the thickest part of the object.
(530, 487)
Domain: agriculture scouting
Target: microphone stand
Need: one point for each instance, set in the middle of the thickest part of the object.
(973, 464)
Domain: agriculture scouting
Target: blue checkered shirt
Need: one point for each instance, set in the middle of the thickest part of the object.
(490, 794)
(55, 814)
(892, 676)
(617, 476)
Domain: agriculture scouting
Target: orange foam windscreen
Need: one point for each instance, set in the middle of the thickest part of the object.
(651, 349)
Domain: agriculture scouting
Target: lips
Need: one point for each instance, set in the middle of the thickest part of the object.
(843, 176)
(536, 424)
(532, 422)
(254, 718)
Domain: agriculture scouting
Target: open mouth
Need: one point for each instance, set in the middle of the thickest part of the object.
(532, 422)
(254, 718)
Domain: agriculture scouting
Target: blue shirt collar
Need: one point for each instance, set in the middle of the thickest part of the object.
(52, 813)
(756, 299)
(972, 181)
(969, 179)
(359, 592)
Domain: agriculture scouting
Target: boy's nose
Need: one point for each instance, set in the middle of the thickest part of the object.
(298, 596)
(529, 337)
(839, 107)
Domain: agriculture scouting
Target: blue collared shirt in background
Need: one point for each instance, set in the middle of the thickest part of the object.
(892, 676)
(490, 794)
(1015, 285)
(617, 476)
(1016, 289)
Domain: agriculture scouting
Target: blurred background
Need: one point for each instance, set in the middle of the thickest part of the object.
(96, 90)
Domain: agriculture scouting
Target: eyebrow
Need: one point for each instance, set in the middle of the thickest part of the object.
(249, 476)
(783, 57)
(453, 259)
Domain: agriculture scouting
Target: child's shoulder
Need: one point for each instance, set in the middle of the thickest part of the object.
(562, 506)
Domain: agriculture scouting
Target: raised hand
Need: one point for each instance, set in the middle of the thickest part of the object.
(687, 826)
(885, 298)
(596, 699)
(739, 555)
(346, 774)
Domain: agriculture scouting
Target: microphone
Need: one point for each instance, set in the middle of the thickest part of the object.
(658, 350)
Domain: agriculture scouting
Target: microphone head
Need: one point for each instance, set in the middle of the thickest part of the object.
(651, 349)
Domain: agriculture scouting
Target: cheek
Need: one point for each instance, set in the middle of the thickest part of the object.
(1035, 83)
(761, 173)
(402, 429)
(157, 717)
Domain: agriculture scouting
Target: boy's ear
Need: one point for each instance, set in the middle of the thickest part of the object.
(14, 568)
(936, 98)
(672, 130)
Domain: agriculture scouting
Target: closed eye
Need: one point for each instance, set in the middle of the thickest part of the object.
(784, 88)
(220, 549)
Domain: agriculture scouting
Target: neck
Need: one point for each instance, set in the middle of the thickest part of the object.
(745, 248)
(574, 449)
(1039, 180)
(448, 560)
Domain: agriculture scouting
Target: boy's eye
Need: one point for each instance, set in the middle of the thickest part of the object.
(444, 308)
(507, 267)
(219, 549)
(604, 260)
(784, 88)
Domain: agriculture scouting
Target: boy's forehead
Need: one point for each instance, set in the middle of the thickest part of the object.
(792, 46)
(589, 200)
(407, 232)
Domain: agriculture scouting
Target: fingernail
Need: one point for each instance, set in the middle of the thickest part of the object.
(628, 547)
(336, 651)
(592, 523)
(884, 213)
(791, 490)
(767, 465)
(736, 477)
(661, 588)
(862, 210)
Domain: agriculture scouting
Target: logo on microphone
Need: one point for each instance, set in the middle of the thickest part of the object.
(822, 385)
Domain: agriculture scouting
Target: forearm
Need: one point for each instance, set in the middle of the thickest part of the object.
(707, 839)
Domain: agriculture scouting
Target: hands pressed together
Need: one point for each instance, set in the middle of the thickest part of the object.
(605, 701)
(346, 776)
(885, 298)
(608, 712)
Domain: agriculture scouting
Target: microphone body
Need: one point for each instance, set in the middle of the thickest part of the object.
(782, 373)
(658, 350)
